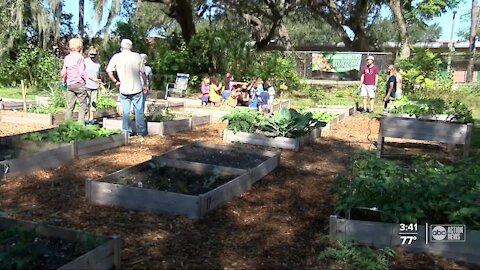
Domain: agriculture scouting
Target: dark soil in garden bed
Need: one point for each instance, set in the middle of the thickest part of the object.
(173, 180)
(26, 250)
(280, 223)
(226, 158)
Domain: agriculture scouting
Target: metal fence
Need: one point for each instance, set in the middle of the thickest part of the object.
(304, 65)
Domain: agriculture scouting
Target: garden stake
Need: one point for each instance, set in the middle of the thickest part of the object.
(24, 95)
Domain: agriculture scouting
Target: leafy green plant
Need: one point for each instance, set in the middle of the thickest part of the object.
(348, 256)
(427, 191)
(37, 67)
(419, 107)
(421, 74)
(212, 179)
(182, 186)
(161, 114)
(106, 103)
(288, 123)
(45, 109)
(157, 166)
(70, 131)
(243, 120)
(323, 116)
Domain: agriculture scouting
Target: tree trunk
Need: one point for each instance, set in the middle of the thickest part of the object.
(472, 38)
(184, 16)
(396, 8)
(81, 10)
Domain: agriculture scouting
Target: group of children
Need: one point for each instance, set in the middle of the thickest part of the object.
(256, 94)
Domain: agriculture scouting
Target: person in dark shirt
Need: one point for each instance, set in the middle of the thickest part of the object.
(264, 97)
(391, 87)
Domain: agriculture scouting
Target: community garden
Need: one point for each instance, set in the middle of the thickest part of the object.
(312, 183)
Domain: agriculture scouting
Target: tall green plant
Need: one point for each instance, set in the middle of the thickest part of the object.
(279, 67)
(421, 71)
(37, 67)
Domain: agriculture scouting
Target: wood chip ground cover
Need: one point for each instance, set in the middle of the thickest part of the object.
(280, 223)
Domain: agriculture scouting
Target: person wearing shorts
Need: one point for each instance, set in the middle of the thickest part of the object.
(368, 83)
(93, 70)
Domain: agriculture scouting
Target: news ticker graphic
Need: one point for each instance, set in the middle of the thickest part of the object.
(408, 233)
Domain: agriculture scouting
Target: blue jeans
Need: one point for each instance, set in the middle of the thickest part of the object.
(137, 101)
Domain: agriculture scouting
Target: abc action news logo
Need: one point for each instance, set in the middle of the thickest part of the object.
(447, 233)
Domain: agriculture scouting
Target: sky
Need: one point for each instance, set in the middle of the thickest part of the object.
(462, 21)
(445, 21)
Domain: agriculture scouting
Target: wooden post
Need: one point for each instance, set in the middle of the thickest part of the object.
(468, 139)
(380, 140)
(117, 247)
(24, 95)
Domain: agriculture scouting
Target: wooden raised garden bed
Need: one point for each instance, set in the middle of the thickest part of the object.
(69, 249)
(422, 129)
(383, 235)
(295, 144)
(162, 128)
(216, 115)
(341, 113)
(278, 105)
(180, 186)
(26, 118)
(188, 102)
(48, 119)
(14, 104)
(348, 110)
(19, 157)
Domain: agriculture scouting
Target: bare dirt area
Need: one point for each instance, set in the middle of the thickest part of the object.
(279, 224)
(7, 129)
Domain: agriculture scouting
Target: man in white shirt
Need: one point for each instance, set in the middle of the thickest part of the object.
(92, 83)
(129, 67)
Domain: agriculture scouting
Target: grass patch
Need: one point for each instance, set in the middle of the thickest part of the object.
(16, 92)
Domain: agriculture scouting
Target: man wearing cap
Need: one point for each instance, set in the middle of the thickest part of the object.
(129, 67)
(368, 83)
(93, 70)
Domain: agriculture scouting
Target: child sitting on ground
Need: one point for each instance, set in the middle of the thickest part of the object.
(204, 88)
(232, 99)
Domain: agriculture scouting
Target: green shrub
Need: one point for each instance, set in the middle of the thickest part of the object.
(418, 107)
(37, 67)
(422, 74)
(278, 67)
(427, 191)
(313, 92)
(347, 256)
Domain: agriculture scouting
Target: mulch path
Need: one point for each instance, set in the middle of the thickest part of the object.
(280, 223)
(7, 129)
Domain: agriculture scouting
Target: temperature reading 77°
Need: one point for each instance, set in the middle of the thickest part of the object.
(408, 239)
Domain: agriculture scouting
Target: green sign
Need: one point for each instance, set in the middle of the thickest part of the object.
(336, 62)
